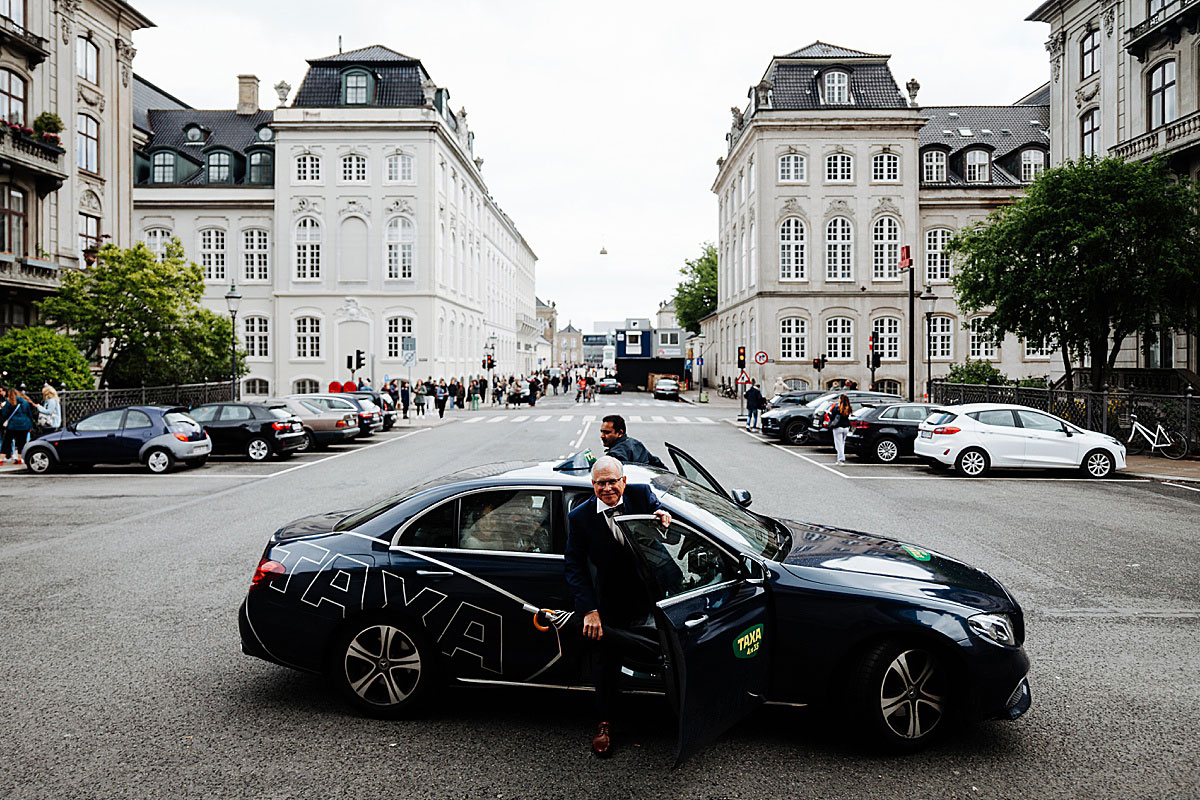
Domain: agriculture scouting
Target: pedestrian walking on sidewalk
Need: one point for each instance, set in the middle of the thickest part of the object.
(440, 395)
(405, 397)
(419, 400)
(839, 426)
(49, 411)
(754, 403)
(17, 417)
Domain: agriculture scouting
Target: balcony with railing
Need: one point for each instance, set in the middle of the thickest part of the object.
(38, 274)
(1182, 134)
(14, 36)
(1168, 22)
(40, 159)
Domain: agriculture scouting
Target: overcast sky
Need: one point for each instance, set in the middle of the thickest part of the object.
(600, 123)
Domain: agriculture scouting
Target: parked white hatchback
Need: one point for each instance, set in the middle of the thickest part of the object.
(974, 438)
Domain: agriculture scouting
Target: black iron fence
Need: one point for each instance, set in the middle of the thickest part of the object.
(1107, 412)
(77, 405)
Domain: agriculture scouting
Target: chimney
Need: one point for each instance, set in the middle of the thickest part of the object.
(247, 95)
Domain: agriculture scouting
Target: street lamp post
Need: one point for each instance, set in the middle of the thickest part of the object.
(233, 299)
(928, 296)
(491, 348)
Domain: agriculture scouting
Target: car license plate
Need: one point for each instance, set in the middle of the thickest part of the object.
(926, 434)
(297, 427)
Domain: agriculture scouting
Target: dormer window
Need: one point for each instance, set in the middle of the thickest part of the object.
(163, 168)
(218, 168)
(837, 88)
(978, 166)
(1033, 163)
(193, 133)
(933, 166)
(356, 88)
(265, 134)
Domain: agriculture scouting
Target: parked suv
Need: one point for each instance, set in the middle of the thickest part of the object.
(796, 397)
(387, 407)
(258, 430)
(886, 433)
(819, 432)
(793, 424)
(156, 436)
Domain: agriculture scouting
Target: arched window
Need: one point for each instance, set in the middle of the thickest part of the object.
(839, 338)
(12, 97)
(941, 337)
(839, 168)
(839, 250)
(887, 337)
(837, 88)
(885, 167)
(255, 336)
(162, 168)
(1089, 133)
(399, 168)
(793, 339)
(258, 387)
(400, 238)
(262, 168)
(14, 220)
(256, 255)
(308, 337)
(87, 60)
(1161, 92)
(983, 344)
(87, 144)
(887, 386)
(305, 386)
(793, 250)
(933, 164)
(308, 168)
(937, 260)
(793, 168)
(212, 254)
(978, 168)
(156, 240)
(885, 249)
(308, 249)
(354, 168)
(1033, 163)
(218, 168)
(398, 329)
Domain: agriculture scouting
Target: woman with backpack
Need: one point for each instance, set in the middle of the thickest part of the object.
(839, 426)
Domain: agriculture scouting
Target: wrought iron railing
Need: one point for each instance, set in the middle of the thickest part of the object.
(77, 405)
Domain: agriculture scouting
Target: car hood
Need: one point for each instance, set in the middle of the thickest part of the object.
(308, 526)
(848, 558)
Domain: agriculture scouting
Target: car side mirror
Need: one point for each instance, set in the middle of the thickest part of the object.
(741, 497)
(751, 570)
(1067, 431)
(71, 427)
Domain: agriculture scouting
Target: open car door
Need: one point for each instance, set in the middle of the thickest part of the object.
(712, 616)
(690, 468)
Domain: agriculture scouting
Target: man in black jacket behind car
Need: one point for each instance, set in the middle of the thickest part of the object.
(623, 448)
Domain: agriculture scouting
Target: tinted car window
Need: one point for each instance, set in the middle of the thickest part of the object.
(940, 418)
(180, 423)
(678, 559)
(279, 413)
(435, 528)
(515, 520)
(1000, 417)
(912, 413)
(1039, 422)
(236, 413)
(889, 413)
(712, 510)
(135, 419)
(313, 407)
(104, 421)
(204, 413)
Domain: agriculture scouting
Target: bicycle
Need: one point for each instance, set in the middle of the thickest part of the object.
(1173, 444)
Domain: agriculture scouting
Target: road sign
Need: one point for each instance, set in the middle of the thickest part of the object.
(760, 357)
(408, 351)
(700, 361)
(743, 379)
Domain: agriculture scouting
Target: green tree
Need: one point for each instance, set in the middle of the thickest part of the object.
(129, 299)
(37, 355)
(1096, 251)
(195, 351)
(696, 295)
(975, 372)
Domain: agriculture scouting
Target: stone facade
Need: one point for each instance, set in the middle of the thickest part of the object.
(569, 342)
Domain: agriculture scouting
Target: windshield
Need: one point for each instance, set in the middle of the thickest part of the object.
(822, 399)
(280, 413)
(713, 511)
(178, 422)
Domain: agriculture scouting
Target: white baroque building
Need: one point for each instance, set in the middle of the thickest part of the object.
(355, 218)
(829, 172)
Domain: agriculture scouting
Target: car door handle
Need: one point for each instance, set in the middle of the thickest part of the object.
(435, 573)
(695, 622)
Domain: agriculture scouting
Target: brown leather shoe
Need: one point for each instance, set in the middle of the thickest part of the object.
(602, 741)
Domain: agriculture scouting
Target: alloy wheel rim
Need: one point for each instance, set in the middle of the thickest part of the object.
(911, 698)
(39, 461)
(972, 463)
(157, 462)
(382, 665)
(887, 450)
(307, 443)
(1098, 465)
(259, 450)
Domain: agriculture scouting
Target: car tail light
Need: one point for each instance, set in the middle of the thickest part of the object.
(859, 424)
(267, 571)
(946, 430)
(281, 426)
(183, 437)
(341, 423)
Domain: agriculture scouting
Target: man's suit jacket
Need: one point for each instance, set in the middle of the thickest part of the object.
(618, 591)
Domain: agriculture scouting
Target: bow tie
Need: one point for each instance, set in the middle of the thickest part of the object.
(612, 511)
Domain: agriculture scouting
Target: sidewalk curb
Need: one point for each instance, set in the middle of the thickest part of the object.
(1153, 476)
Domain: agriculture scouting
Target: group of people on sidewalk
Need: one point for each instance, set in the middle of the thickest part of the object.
(21, 417)
(839, 414)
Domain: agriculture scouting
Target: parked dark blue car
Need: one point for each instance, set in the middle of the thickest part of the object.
(446, 582)
(156, 436)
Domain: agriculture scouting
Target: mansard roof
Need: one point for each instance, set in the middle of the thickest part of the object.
(147, 96)
(398, 78)
(796, 86)
(226, 129)
(372, 53)
(1004, 130)
(819, 49)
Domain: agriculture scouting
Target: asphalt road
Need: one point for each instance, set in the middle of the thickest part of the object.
(122, 673)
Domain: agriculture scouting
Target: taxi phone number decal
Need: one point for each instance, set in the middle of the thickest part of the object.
(748, 641)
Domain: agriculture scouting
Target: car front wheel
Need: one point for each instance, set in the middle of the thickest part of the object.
(796, 433)
(159, 460)
(904, 695)
(1098, 464)
(382, 665)
(972, 463)
(887, 450)
(258, 449)
(38, 461)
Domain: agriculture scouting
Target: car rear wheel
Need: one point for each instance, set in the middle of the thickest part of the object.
(796, 433)
(159, 460)
(38, 460)
(972, 463)
(887, 450)
(1098, 464)
(310, 442)
(382, 665)
(904, 695)
(258, 449)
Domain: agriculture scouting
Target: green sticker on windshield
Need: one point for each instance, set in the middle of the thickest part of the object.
(748, 641)
(916, 552)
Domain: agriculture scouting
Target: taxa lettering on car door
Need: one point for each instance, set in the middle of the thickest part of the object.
(469, 570)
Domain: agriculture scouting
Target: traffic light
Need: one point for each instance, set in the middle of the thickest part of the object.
(484, 362)
(350, 363)
(819, 363)
(874, 360)
(741, 357)
(491, 362)
(360, 359)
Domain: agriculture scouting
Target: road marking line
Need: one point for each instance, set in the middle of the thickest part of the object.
(635, 418)
(657, 418)
(566, 418)
(496, 419)
(682, 419)
(582, 434)
(472, 420)
(1181, 486)
(589, 419)
(706, 420)
(521, 418)
(543, 419)
(347, 452)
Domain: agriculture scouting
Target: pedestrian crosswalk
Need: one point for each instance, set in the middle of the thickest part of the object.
(655, 419)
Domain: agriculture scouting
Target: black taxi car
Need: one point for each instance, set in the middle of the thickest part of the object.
(461, 580)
